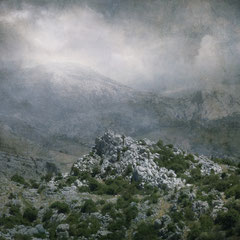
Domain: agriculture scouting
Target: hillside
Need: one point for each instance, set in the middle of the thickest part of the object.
(126, 189)
(60, 108)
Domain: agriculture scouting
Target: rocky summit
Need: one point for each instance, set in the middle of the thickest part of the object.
(119, 154)
(126, 189)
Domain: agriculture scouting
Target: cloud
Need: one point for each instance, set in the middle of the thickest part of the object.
(160, 45)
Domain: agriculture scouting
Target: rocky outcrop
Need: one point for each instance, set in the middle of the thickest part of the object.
(28, 167)
(124, 156)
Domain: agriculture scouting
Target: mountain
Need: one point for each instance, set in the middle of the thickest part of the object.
(126, 189)
(61, 108)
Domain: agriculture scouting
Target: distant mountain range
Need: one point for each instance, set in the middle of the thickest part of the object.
(59, 109)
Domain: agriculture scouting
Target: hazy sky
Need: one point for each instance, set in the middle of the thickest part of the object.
(147, 44)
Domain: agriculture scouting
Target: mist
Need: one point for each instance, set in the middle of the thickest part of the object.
(148, 45)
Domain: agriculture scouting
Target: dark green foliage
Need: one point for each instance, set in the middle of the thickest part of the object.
(75, 171)
(34, 184)
(89, 206)
(30, 214)
(128, 170)
(47, 177)
(233, 191)
(41, 188)
(22, 237)
(40, 235)
(71, 180)
(228, 219)
(169, 160)
(62, 207)
(195, 175)
(47, 215)
(153, 198)
(160, 143)
(110, 187)
(206, 223)
(224, 161)
(73, 218)
(199, 232)
(190, 157)
(95, 186)
(146, 232)
(130, 212)
(18, 179)
(15, 218)
(95, 171)
(15, 210)
(109, 209)
(118, 224)
(188, 214)
(149, 212)
(58, 177)
(85, 228)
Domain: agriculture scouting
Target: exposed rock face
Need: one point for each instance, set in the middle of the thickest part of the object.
(120, 154)
(208, 166)
(200, 207)
(26, 166)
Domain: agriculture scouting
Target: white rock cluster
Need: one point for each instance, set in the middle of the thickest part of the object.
(116, 153)
(208, 166)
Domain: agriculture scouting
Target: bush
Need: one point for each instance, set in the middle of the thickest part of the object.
(73, 218)
(89, 206)
(189, 214)
(15, 210)
(18, 179)
(146, 232)
(30, 214)
(48, 177)
(34, 184)
(22, 237)
(227, 219)
(71, 180)
(62, 207)
(47, 215)
(234, 191)
(85, 228)
(75, 171)
(130, 213)
(95, 171)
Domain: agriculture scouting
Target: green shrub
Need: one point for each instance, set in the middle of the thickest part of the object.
(75, 171)
(227, 219)
(18, 179)
(131, 212)
(96, 170)
(47, 215)
(47, 177)
(73, 218)
(30, 214)
(128, 170)
(189, 214)
(234, 191)
(34, 184)
(22, 237)
(85, 228)
(149, 212)
(146, 232)
(107, 208)
(62, 207)
(15, 210)
(71, 180)
(89, 206)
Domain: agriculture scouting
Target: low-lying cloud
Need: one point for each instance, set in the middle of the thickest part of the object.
(160, 45)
